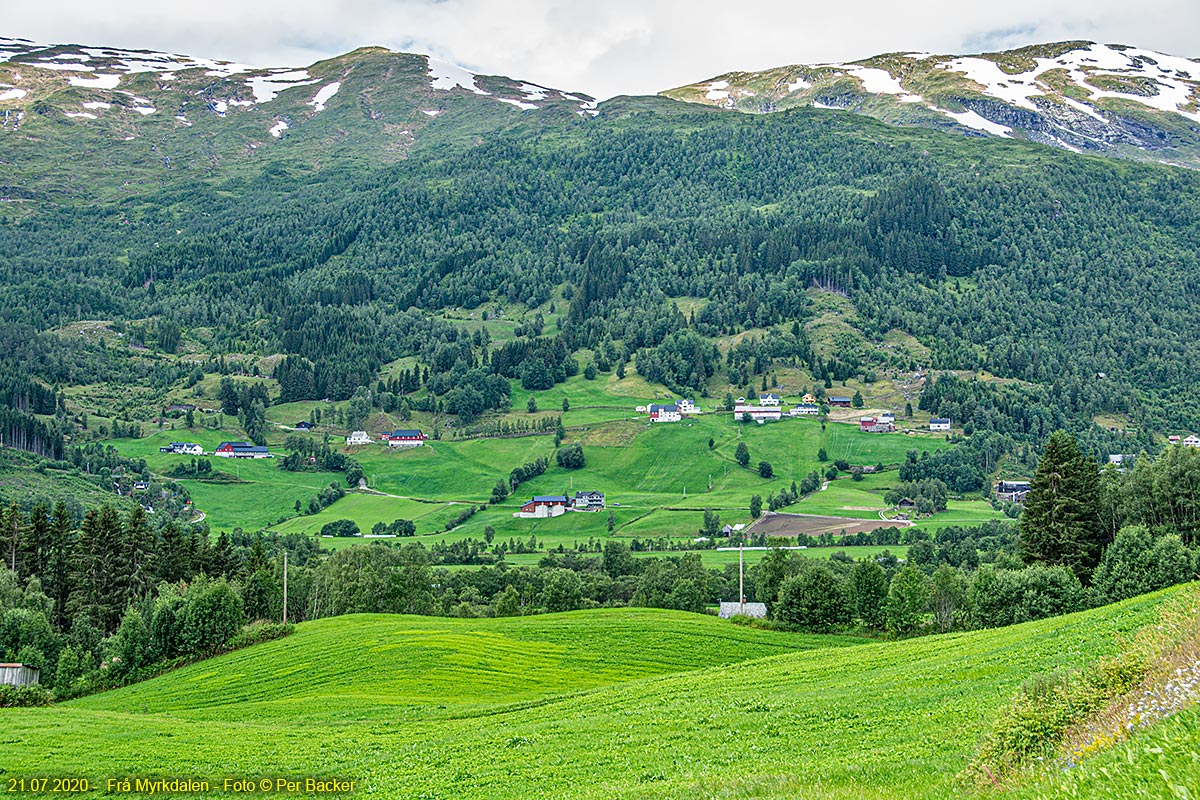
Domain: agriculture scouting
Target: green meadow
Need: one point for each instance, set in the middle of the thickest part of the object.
(658, 479)
(617, 703)
(721, 558)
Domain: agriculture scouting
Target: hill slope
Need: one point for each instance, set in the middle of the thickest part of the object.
(878, 720)
(1083, 96)
(142, 119)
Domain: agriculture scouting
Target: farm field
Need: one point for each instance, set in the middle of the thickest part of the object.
(662, 476)
(368, 509)
(594, 704)
(803, 525)
(720, 558)
(960, 512)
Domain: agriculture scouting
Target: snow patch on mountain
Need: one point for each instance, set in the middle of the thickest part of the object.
(973, 120)
(278, 128)
(447, 76)
(323, 96)
(267, 87)
(11, 93)
(99, 82)
(518, 104)
(718, 91)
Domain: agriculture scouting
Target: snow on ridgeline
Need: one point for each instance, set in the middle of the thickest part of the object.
(1174, 78)
(447, 76)
(1154, 80)
(117, 60)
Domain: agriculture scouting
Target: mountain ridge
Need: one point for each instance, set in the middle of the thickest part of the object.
(1081, 96)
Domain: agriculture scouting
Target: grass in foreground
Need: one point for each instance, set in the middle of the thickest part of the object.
(589, 705)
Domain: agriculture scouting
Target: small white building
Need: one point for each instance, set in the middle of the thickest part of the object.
(736, 609)
(887, 418)
(770, 399)
(687, 406)
(358, 437)
(758, 413)
(805, 410)
(939, 424)
(662, 413)
(1192, 441)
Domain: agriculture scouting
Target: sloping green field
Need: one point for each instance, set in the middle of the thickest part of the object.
(598, 704)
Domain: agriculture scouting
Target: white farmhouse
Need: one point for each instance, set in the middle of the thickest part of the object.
(358, 437)
(939, 424)
(660, 413)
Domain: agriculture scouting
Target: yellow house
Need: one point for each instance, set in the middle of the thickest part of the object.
(809, 398)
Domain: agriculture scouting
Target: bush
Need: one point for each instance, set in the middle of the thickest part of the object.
(742, 454)
(1035, 721)
(571, 457)
(765, 469)
(813, 600)
(340, 527)
(211, 618)
(23, 696)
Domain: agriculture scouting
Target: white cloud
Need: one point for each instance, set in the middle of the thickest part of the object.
(615, 47)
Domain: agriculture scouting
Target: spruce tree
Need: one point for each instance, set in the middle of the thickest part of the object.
(31, 550)
(138, 550)
(1061, 521)
(60, 552)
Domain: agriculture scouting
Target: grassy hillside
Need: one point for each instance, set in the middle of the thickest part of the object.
(659, 476)
(591, 704)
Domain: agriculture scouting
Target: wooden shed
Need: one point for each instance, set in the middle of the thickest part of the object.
(18, 675)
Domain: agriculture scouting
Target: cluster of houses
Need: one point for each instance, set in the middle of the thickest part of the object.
(224, 450)
(406, 438)
(555, 505)
(183, 449)
(1191, 441)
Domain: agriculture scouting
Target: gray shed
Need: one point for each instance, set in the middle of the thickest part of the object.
(733, 608)
(18, 675)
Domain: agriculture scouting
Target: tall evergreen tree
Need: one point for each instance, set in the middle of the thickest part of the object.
(14, 523)
(1061, 521)
(138, 550)
(31, 550)
(60, 551)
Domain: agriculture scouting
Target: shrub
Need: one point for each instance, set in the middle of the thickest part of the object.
(24, 696)
(340, 527)
(571, 457)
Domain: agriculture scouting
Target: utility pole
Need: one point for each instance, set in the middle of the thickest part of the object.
(741, 574)
(285, 587)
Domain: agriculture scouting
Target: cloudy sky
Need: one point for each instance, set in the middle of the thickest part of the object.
(603, 47)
